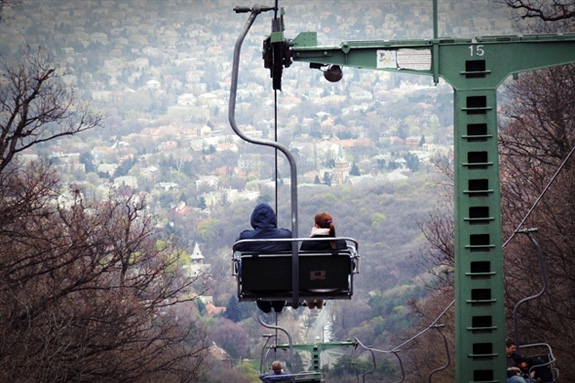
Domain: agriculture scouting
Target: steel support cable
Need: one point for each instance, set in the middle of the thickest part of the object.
(276, 120)
(254, 11)
(353, 364)
(263, 353)
(394, 352)
(276, 151)
(425, 329)
(540, 196)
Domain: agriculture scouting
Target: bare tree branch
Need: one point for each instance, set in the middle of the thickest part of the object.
(36, 107)
(544, 10)
(86, 292)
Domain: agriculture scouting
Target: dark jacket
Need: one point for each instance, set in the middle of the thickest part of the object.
(514, 361)
(276, 377)
(340, 244)
(264, 222)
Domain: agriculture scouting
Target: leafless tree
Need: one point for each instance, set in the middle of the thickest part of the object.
(36, 107)
(545, 10)
(87, 290)
(536, 143)
(88, 293)
(426, 352)
(439, 259)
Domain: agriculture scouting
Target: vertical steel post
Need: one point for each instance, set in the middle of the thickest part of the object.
(254, 12)
(480, 310)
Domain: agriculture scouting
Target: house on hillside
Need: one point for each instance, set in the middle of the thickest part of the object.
(211, 309)
(221, 355)
(181, 209)
(166, 186)
(220, 197)
(108, 169)
(413, 141)
(126, 181)
(207, 181)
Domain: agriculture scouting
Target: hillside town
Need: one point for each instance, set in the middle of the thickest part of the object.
(165, 91)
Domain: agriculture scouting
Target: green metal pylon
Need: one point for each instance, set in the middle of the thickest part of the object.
(474, 68)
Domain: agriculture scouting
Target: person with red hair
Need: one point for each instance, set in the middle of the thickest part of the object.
(323, 228)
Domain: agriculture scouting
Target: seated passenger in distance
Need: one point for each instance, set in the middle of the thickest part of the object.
(514, 372)
(276, 374)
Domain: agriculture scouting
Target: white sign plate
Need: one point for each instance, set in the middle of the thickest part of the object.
(415, 59)
(386, 59)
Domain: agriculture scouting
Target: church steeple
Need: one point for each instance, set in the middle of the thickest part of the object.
(196, 256)
(341, 170)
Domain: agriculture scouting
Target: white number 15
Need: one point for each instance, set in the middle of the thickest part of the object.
(476, 50)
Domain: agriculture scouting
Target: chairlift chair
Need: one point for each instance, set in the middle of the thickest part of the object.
(323, 274)
(543, 361)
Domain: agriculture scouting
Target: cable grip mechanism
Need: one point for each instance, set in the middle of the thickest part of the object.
(276, 51)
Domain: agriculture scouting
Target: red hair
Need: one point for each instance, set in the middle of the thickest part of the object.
(325, 221)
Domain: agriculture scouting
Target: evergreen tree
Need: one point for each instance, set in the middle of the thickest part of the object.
(354, 170)
(235, 311)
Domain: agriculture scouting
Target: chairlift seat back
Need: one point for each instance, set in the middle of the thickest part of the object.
(545, 372)
(314, 377)
(323, 274)
(542, 362)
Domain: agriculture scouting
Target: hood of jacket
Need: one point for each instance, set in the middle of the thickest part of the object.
(263, 217)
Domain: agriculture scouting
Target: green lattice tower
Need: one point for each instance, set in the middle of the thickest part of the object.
(474, 68)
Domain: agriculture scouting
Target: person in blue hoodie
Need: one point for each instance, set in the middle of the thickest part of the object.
(264, 223)
(276, 375)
